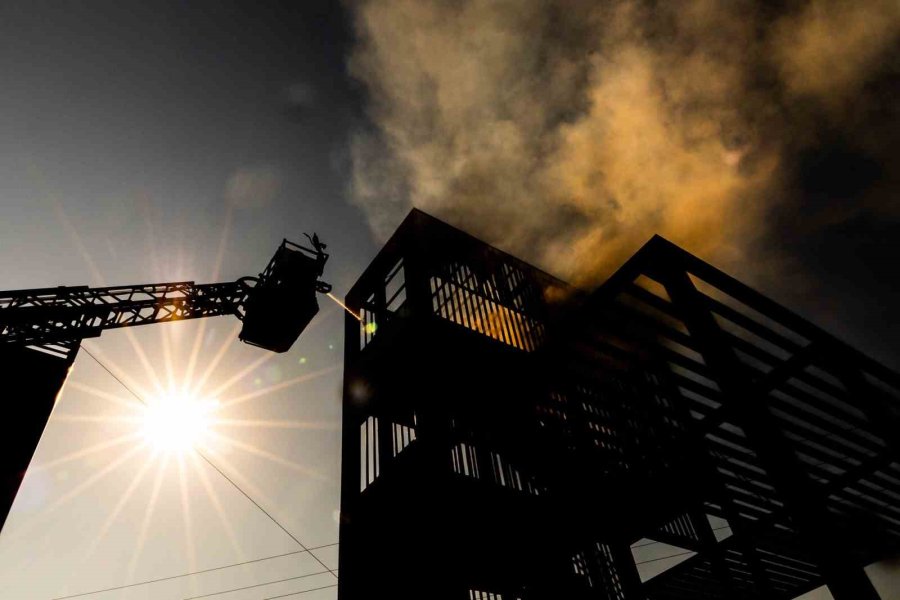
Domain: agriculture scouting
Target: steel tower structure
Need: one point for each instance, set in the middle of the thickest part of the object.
(505, 436)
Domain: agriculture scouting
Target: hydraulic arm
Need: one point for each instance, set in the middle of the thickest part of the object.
(56, 319)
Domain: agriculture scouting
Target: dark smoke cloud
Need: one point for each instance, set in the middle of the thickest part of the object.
(762, 136)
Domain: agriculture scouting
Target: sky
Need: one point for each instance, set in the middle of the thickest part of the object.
(140, 140)
(171, 141)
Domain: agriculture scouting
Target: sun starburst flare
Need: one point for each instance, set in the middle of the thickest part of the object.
(178, 421)
(162, 411)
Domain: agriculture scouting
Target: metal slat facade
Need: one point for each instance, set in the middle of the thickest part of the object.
(544, 431)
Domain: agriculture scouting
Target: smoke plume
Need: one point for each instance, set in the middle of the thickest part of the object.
(569, 132)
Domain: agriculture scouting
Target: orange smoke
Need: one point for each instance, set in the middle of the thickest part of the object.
(569, 132)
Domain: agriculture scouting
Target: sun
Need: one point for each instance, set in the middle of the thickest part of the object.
(177, 421)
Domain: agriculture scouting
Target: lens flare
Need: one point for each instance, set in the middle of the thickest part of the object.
(177, 421)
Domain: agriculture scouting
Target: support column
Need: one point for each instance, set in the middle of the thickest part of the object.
(626, 569)
(710, 545)
(32, 381)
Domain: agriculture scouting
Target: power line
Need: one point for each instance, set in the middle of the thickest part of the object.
(655, 542)
(644, 562)
(170, 577)
(116, 377)
(256, 585)
(264, 511)
(324, 587)
(222, 473)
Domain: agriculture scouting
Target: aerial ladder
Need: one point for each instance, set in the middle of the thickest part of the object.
(41, 332)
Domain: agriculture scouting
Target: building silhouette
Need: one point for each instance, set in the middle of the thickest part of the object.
(508, 437)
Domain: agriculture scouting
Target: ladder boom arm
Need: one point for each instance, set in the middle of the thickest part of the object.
(53, 315)
(281, 302)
